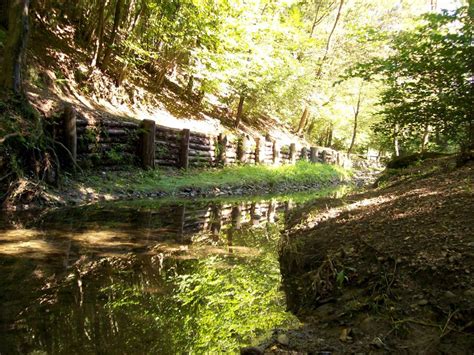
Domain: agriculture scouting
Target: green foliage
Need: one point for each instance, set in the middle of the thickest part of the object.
(231, 176)
(428, 81)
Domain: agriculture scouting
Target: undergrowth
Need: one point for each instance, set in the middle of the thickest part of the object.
(27, 152)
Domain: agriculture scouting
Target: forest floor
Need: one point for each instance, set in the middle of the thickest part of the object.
(387, 270)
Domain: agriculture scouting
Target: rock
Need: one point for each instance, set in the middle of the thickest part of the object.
(345, 335)
(422, 302)
(449, 294)
(283, 339)
(469, 293)
(378, 343)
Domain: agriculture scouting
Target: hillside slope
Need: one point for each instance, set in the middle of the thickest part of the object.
(58, 72)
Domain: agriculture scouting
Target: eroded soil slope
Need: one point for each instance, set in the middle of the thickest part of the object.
(387, 270)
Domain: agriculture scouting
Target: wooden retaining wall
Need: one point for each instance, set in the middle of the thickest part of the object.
(113, 143)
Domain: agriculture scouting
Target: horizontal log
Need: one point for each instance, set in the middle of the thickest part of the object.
(160, 128)
(201, 147)
(115, 132)
(100, 146)
(200, 135)
(117, 123)
(168, 137)
(201, 153)
(167, 143)
(114, 140)
(199, 140)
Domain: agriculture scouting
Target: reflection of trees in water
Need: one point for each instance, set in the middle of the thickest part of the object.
(168, 302)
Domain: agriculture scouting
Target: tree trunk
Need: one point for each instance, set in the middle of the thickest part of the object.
(356, 116)
(189, 87)
(328, 43)
(240, 110)
(99, 33)
(18, 28)
(329, 137)
(303, 119)
(113, 35)
(426, 138)
(395, 140)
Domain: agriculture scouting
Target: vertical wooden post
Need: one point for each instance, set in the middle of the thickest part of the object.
(147, 143)
(242, 148)
(304, 153)
(70, 131)
(276, 153)
(184, 152)
(313, 155)
(325, 155)
(258, 151)
(222, 144)
(292, 157)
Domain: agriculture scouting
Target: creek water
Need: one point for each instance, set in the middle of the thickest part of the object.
(143, 277)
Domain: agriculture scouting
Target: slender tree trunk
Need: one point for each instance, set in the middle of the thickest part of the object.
(426, 138)
(113, 35)
(189, 87)
(396, 145)
(329, 137)
(316, 19)
(240, 110)
(356, 116)
(99, 33)
(303, 119)
(18, 28)
(328, 43)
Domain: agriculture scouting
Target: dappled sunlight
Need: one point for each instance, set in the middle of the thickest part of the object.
(29, 243)
(187, 252)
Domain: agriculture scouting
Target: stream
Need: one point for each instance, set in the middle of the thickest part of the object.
(144, 276)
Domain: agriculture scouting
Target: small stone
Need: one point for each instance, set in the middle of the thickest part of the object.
(345, 335)
(449, 294)
(469, 293)
(377, 342)
(283, 339)
(422, 302)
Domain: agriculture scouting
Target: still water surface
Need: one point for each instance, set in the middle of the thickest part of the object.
(142, 277)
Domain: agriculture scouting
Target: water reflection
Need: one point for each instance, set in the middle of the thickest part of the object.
(145, 278)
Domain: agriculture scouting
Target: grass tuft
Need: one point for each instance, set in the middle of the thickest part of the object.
(301, 173)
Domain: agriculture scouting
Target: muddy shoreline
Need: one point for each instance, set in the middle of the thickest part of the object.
(64, 197)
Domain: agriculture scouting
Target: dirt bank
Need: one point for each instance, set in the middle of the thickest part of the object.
(387, 270)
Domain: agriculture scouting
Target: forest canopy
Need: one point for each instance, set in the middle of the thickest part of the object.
(348, 74)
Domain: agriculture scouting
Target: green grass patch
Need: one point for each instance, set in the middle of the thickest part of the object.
(233, 176)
